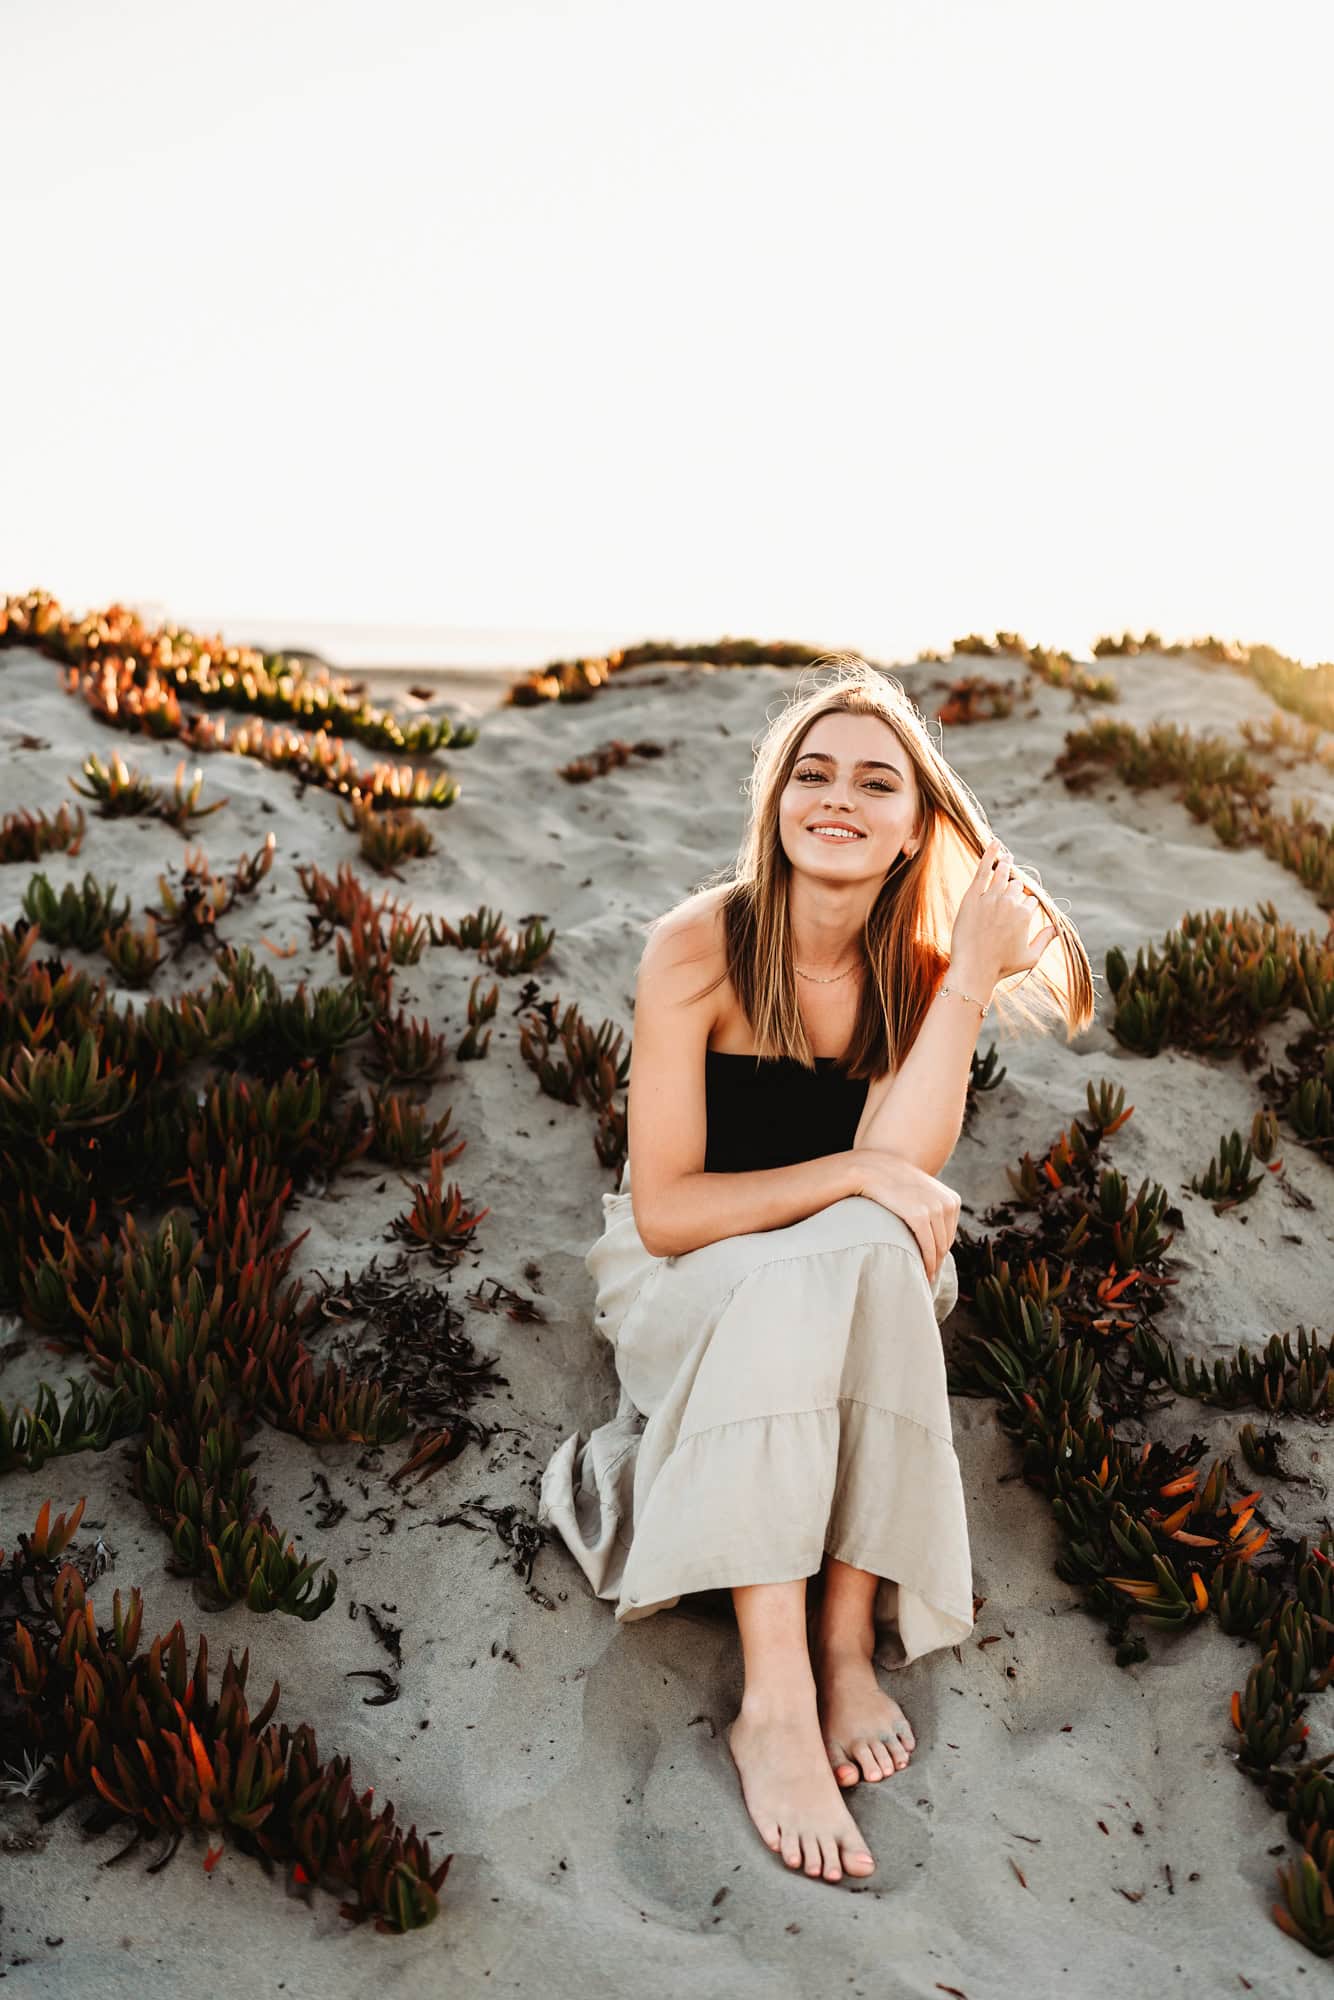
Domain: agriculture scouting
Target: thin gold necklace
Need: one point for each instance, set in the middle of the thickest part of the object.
(832, 980)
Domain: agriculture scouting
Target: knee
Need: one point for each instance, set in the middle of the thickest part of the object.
(858, 1219)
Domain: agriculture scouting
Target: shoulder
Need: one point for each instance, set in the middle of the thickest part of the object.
(684, 961)
(691, 930)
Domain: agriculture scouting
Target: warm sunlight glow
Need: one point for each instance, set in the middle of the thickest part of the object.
(864, 324)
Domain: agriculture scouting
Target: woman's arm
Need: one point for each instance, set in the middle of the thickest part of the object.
(694, 1209)
(679, 1207)
(919, 1112)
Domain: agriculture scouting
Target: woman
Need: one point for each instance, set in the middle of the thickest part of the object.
(773, 1281)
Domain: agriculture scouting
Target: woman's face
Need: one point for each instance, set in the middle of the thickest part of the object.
(852, 772)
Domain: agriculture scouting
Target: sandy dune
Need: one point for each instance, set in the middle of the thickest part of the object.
(576, 1769)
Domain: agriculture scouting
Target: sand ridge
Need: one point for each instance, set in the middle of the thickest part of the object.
(582, 1782)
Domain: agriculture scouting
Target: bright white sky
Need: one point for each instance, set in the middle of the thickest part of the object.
(860, 322)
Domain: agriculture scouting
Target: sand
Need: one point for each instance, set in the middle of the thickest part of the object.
(577, 1770)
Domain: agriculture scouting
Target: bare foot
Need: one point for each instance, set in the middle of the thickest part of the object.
(866, 1733)
(791, 1794)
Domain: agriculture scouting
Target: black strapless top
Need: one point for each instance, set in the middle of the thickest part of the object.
(774, 1112)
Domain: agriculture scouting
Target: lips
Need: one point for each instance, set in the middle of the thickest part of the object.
(832, 827)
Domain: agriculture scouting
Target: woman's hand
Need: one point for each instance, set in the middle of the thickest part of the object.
(930, 1209)
(992, 922)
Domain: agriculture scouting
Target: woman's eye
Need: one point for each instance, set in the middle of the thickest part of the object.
(876, 784)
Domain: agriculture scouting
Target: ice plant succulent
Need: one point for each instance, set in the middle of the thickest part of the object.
(1143, 1534)
(438, 1221)
(26, 836)
(119, 790)
(606, 757)
(138, 1731)
(481, 1008)
(133, 955)
(594, 1071)
(75, 917)
(133, 674)
(195, 1331)
(1218, 783)
(386, 838)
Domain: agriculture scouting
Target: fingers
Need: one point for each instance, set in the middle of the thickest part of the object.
(991, 868)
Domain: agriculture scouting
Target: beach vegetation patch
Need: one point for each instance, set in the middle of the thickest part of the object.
(591, 1069)
(1306, 691)
(1064, 1343)
(386, 838)
(27, 836)
(139, 1731)
(164, 682)
(1215, 984)
(606, 757)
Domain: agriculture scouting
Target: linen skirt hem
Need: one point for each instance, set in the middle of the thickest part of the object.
(887, 1490)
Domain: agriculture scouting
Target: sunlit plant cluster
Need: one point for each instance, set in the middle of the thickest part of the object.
(1219, 785)
(164, 681)
(1307, 691)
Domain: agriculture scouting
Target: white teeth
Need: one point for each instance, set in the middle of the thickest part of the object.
(834, 833)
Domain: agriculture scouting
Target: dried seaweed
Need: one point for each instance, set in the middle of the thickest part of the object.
(410, 1344)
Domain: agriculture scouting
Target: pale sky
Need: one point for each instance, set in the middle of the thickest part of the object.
(860, 322)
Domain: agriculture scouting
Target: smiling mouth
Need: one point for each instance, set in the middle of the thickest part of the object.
(833, 834)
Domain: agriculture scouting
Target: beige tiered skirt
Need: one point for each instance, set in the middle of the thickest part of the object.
(782, 1393)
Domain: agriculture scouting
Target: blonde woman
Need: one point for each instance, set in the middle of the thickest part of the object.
(772, 1274)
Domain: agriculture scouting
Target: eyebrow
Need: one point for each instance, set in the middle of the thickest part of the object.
(862, 764)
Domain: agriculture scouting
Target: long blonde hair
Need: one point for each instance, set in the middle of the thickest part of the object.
(907, 934)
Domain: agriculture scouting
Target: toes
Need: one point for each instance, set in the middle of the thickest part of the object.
(856, 1858)
(813, 1859)
(866, 1757)
(903, 1731)
(889, 1763)
(791, 1849)
(844, 1769)
(833, 1871)
(899, 1752)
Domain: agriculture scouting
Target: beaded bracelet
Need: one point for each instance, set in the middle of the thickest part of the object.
(960, 994)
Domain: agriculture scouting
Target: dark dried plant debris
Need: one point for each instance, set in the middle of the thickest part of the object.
(387, 1684)
(410, 1342)
(517, 1529)
(389, 1636)
(520, 1308)
(328, 1511)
